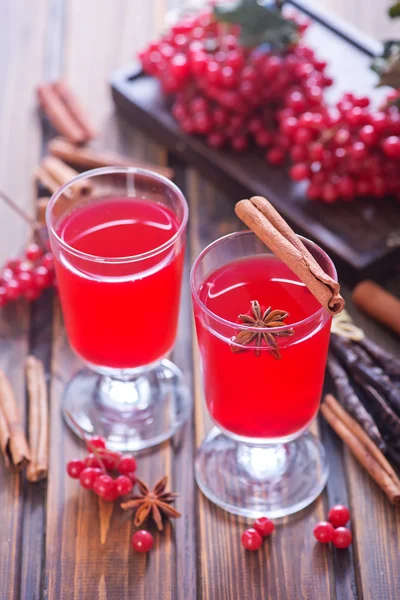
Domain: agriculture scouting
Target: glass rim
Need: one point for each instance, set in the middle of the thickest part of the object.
(109, 171)
(210, 313)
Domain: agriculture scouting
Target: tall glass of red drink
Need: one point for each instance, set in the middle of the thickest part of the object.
(263, 374)
(118, 238)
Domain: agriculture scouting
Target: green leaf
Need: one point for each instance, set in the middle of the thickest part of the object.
(259, 23)
(394, 11)
(388, 65)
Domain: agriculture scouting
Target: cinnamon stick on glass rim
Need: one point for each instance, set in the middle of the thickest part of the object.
(38, 420)
(366, 452)
(13, 443)
(262, 218)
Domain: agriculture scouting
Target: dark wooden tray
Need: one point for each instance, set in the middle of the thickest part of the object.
(362, 236)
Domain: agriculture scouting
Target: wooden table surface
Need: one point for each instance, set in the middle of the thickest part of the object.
(59, 542)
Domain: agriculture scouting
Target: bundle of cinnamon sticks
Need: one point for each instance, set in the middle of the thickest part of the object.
(18, 453)
(67, 116)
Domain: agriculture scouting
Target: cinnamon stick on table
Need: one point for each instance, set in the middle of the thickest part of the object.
(378, 303)
(63, 174)
(38, 420)
(13, 443)
(262, 218)
(90, 158)
(59, 115)
(75, 108)
(363, 448)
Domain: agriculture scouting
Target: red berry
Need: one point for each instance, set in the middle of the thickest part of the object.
(111, 460)
(111, 495)
(48, 261)
(251, 539)
(303, 136)
(127, 465)
(123, 484)
(26, 280)
(271, 67)
(103, 484)
(275, 156)
(88, 476)
(239, 143)
(368, 135)
(342, 537)
(263, 138)
(95, 441)
(92, 461)
(142, 541)
(3, 296)
(42, 276)
(339, 515)
(228, 77)
(391, 146)
(33, 252)
(23, 265)
(299, 172)
(13, 264)
(213, 72)
(75, 468)
(235, 59)
(13, 289)
(323, 532)
(199, 63)
(264, 526)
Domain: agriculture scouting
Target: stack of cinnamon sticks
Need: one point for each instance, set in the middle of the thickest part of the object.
(18, 453)
(66, 115)
(363, 448)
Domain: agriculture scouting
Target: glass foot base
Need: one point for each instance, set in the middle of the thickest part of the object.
(131, 414)
(253, 481)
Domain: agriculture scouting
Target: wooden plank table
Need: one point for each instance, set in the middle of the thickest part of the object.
(59, 542)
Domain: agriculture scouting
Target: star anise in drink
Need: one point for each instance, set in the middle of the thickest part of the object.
(262, 320)
(154, 503)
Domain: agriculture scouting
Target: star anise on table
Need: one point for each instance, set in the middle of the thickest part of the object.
(270, 318)
(154, 503)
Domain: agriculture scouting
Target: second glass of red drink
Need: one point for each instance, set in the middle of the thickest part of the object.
(118, 239)
(263, 340)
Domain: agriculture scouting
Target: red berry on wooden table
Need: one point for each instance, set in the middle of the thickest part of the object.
(75, 468)
(339, 515)
(264, 526)
(323, 532)
(342, 537)
(95, 442)
(103, 484)
(123, 485)
(142, 541)
(33, 252)
(127, 464)
(88, 476)
(251, 539)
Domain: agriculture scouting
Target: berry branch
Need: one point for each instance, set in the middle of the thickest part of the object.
(28, 275)
(238, 93)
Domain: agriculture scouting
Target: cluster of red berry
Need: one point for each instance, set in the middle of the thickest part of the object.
(95, 471)
(252, 538)
(334, 529)
(237, 97)
(346, 151)
(28, 276)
